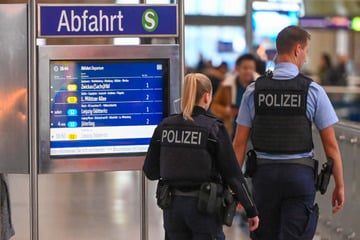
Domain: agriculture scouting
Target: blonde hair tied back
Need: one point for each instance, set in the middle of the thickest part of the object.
(194, 87)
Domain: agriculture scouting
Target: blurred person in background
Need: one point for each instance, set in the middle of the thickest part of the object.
(326, 70)
(340, 71)
(216, 74)
(227, 99)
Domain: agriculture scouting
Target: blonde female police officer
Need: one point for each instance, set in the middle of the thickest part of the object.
(187, 150)
(278, 112)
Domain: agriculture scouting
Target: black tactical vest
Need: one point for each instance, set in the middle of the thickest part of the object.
(185, 155)
(280, 125)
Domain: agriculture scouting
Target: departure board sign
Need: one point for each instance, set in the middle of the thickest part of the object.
(80, 20)
(105, 106)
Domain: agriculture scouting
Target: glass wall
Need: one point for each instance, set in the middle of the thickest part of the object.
(217, 34)
(215, 7)
(213, 43)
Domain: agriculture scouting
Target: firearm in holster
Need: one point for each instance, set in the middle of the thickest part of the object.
(250, 164)
(323, 178)
(229, 204)
(216, 199)
(209, 201)
(163, 195)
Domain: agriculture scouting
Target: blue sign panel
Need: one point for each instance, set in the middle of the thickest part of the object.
(107, 20)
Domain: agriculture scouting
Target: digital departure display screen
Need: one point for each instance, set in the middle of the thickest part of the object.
(106, 106)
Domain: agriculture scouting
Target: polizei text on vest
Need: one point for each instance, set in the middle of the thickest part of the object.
(181, 136)
(279, 100)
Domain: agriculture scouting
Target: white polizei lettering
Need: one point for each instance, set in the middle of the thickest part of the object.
(63, 22)
(276, 102)
(261, 98)
(187, 136)
(296, 100)
(177, 140)
(171, 136)
(280, 100)
(196, 138)
(164, 134)
(286, 100)
(269, 100)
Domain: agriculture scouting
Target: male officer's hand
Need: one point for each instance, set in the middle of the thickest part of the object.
(338, 199)
(253, 223)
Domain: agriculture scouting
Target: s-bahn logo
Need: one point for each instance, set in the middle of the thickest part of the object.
(150, 20)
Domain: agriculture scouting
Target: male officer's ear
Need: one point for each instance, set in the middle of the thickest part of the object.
(297, 49)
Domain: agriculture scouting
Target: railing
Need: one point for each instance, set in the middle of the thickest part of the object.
(346, 101)
(345, 224)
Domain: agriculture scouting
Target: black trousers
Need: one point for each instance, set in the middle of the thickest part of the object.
(182, 221)
(284, 195)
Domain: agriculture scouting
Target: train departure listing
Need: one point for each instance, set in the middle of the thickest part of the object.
(97, 105)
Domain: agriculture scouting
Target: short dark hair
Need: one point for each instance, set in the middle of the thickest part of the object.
(246, 56)
(289, 37)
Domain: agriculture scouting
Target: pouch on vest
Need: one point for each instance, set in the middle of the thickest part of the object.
(163, 195)
(208, 200)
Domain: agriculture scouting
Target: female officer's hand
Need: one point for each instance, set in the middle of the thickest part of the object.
(253, 223)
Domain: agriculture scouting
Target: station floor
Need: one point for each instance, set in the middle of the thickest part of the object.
(90, 206)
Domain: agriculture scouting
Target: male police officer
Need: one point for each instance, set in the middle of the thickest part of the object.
(278, 111)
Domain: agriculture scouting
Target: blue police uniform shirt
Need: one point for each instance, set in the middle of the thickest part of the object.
(319, 108)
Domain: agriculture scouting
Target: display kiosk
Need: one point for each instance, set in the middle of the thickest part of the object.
(99, 105)
(73, 108)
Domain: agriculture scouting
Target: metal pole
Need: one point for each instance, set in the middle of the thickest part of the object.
(248, 26)
(181, 37)
(34, 225)
(144, 231)
(144, 208)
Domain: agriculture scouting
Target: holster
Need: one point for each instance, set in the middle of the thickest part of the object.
(209, 200)
(323, 178)
(163, 195)
(250, 164)
(215, 199)
(229, 209)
